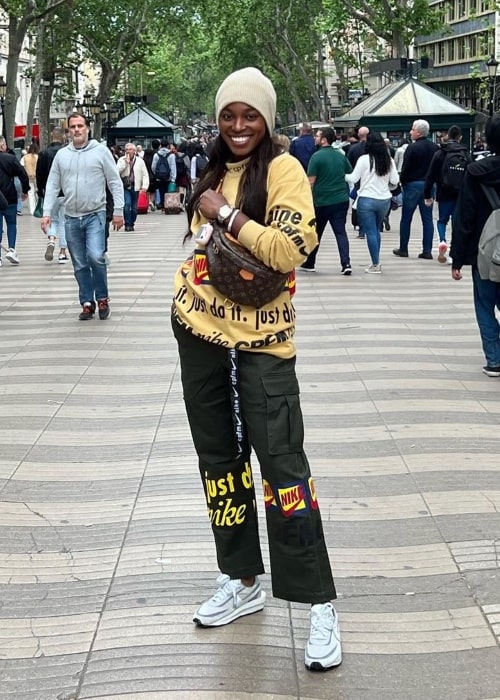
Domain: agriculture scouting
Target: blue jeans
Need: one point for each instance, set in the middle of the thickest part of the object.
(10, 215)
(486, 298)
(445, 210)
(413, 197)
(371, 213)
(57, 223)
(86, 239)
(336, 214)
(130, 208)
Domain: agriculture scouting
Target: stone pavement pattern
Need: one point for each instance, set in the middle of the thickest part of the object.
(105, 548)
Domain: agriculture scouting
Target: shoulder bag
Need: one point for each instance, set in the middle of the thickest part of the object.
(238, 274)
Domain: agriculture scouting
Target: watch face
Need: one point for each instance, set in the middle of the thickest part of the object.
(224, 212)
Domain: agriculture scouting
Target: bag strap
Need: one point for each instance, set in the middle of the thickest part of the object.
(491, 195)
(235, 402)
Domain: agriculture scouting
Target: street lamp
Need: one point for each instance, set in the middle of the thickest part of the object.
(3, 92)
(492, 66)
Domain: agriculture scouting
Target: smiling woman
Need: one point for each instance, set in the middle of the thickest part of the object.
(238, 371)
(242, 128)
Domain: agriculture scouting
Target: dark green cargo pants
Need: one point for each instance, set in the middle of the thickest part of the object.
(269, 406)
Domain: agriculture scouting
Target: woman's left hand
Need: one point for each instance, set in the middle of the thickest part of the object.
(210, 202)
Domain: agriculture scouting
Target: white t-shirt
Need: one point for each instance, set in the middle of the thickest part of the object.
(371, 184)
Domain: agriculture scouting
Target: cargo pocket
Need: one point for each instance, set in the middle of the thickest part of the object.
(285, 427)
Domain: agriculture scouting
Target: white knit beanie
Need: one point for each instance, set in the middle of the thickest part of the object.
(250, 86)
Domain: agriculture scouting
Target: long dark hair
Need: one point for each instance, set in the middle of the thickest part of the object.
(252, 190)
(378, 154)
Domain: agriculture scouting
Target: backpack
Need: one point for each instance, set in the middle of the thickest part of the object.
(180, 165)
(453, 169)
(201, 163)
(162, 169)
(488, 253)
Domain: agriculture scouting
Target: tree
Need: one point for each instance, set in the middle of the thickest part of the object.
(398, 22)
(279, 38)
(22, 14)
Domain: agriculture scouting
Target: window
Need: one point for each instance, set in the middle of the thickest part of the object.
(461, 52)
(472, 6)
(473, 46)
(461, 9)
(451, 51)
(442, 57)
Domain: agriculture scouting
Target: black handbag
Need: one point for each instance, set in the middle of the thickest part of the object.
(239, 275)
(126, 182)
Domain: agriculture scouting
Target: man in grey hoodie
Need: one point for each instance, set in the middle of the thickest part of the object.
(82, 171)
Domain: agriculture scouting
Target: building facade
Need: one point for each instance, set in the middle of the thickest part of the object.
(459, 54)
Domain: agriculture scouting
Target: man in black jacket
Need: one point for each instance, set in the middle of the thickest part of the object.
(43, 165)
(10, 168)
(455, 154)
(416, 163)
(471, 213)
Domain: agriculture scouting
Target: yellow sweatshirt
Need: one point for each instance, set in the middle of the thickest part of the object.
(283, 244)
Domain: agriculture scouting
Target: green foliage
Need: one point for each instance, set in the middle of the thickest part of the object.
(398, 22)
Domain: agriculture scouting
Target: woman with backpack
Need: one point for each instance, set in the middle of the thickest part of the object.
(446, 173)
(182, 179)
(164, 169)
(199, 162)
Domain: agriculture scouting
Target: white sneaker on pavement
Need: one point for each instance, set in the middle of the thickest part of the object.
(323, 648)
(442, 252)
(231, 601)
(49, 253)
(12, 256)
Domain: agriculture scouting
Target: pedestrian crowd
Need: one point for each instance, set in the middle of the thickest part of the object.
(79, 188)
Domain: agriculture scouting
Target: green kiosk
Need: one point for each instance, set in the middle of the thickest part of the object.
(392, 110)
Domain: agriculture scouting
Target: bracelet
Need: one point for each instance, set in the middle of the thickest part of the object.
(233, 216)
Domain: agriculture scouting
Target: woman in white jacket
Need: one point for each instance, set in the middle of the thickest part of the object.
(377, 175)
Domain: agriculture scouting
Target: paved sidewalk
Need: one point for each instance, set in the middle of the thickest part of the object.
(105, 547)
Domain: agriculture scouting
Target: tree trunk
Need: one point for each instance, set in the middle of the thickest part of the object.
(35, 87)
(16, 38)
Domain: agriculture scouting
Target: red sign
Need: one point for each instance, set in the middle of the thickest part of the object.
(20, 131)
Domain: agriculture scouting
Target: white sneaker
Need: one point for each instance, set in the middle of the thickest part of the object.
(442, 252)
(323, 649)
(231, 601)
(12, 256)
(49, 253)
(62, 259)
(374, 270)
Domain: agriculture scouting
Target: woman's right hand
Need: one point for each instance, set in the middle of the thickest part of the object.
(210, 202)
